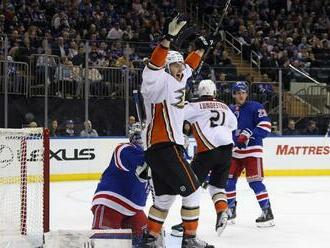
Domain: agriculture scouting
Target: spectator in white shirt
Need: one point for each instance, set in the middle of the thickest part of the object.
(115, 32)
(88, 131)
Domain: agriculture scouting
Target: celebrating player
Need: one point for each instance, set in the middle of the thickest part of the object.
(212, 124)
(253, 125)
(163, 90)
(122, 192)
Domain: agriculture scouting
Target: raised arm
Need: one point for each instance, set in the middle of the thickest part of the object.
(158, 56)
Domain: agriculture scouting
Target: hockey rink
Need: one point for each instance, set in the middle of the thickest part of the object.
(301, 206)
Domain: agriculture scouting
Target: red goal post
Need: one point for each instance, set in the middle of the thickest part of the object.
(24, 186)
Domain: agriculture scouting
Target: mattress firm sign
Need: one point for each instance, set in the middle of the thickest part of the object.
(297, 153)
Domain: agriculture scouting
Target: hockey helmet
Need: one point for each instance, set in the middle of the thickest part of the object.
(174, 57)
(239, 86)
(134, 136)
(207, 88)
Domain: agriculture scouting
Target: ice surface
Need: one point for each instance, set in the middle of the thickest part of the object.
(301, 206)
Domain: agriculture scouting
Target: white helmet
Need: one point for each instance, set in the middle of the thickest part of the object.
(173, 57)
(207, 88)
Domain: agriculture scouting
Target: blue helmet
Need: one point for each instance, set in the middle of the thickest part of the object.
(240, 86)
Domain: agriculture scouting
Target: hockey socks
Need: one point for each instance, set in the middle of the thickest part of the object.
(156, 220)
(189, 217)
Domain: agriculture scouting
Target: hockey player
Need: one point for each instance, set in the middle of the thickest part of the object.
(122, 192)
(163, 90)
(212, 124)
(253, 125)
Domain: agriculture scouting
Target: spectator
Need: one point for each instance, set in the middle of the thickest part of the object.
(132, 124)
(60, 48)
(53, 129)
(69, 129)
(311, 129)
(115, 32)
(32, 124)
(291, 129)
(88, 131)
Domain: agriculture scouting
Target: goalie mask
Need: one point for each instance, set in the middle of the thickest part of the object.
(135, 137)
(207, 88)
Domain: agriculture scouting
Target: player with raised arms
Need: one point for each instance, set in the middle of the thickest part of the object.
(163, 90)
(253, 125)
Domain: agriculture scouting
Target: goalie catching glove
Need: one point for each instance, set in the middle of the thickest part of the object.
(141, 173)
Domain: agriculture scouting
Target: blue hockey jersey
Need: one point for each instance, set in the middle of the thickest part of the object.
(119, 187)
(251, 115)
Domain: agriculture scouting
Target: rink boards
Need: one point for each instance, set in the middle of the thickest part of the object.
(86, 158)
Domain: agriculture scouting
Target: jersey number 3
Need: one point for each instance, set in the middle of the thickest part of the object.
(217, 119)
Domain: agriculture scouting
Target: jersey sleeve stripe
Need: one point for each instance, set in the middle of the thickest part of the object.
(265, 125)
(118, 161)
(158, 56)
(193, 60)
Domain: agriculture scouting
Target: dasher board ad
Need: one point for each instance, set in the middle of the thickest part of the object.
(297, 153)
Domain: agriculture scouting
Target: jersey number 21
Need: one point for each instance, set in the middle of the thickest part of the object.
(217, 118)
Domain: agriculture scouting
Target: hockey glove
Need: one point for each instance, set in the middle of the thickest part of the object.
(203, 43)
(244, 137)
(174, 27)
(141, 173)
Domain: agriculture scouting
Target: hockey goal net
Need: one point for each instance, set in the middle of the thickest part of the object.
(24, 186)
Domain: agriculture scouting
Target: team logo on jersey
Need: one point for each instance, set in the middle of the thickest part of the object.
(181, 98)
(236, 112)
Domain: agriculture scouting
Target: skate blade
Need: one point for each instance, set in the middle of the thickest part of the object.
(266, 224)
(176, 233)
(231, 222)
(222, 227)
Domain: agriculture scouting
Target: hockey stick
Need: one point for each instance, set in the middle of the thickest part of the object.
(139, 114)
(137, 106)
(224, 13)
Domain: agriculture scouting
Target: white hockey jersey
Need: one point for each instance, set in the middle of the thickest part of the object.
(212, 123)
(164, 99)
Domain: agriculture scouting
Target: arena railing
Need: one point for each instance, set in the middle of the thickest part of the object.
(255, 60)
(15, 74)
(234, 44)
(42, 71)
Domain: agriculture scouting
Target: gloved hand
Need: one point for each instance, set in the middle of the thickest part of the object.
(203, 43)
(243, 138)
(207, 42)
(175, 26)
(141, 173)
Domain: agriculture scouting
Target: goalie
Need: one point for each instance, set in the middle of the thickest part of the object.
(121, 194)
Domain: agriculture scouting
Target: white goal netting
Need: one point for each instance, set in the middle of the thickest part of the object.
(24, 187)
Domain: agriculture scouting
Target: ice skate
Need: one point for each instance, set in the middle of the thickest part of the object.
(177, 230)
(231, 212)
(149, 241)
(221, 223)
(266, 219)
(194, 242)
